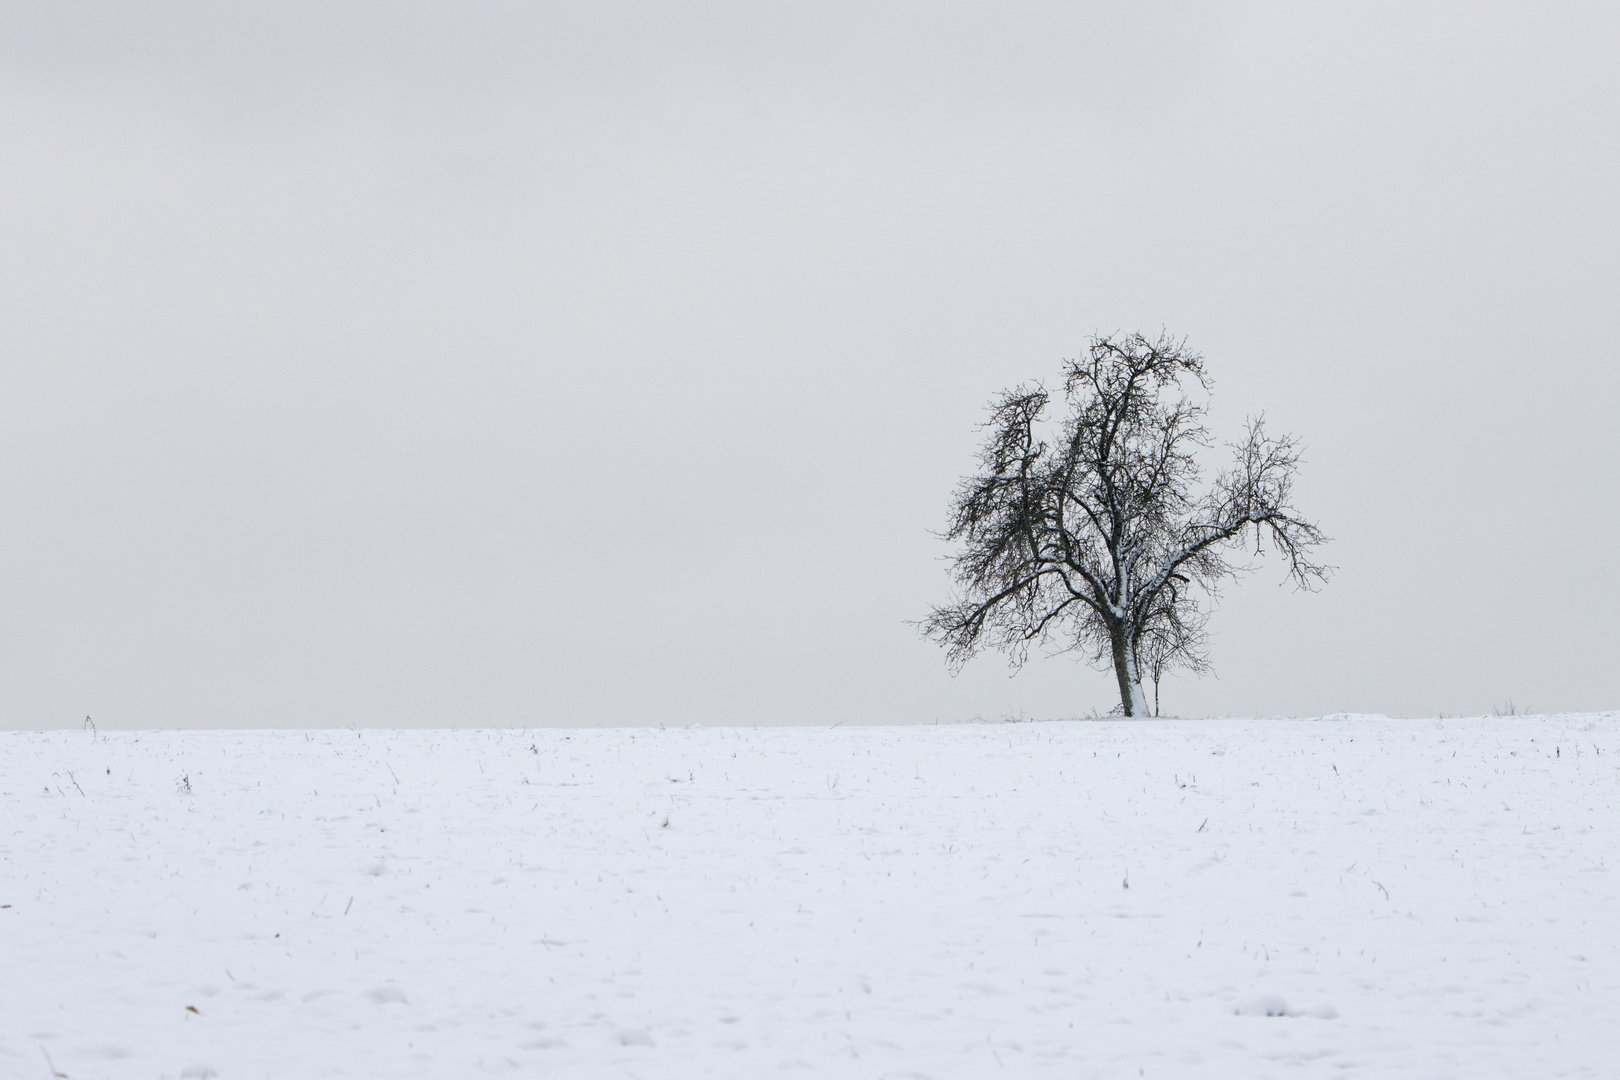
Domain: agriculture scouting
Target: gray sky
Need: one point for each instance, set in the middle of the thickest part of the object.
(489, 364)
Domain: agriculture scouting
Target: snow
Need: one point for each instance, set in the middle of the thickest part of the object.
(1236, 898)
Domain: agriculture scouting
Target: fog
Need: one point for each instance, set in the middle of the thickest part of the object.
(404, 364)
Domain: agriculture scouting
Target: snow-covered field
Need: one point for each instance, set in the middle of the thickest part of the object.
(1254, 898)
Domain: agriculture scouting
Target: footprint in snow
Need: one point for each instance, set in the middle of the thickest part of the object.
(1272, 1005)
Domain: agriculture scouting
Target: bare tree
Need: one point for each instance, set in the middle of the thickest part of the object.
(1176, 640)
(1093, 535)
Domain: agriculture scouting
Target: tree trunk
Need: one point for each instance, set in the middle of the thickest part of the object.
(1131, 697)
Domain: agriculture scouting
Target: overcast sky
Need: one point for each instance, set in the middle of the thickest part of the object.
(503, 364)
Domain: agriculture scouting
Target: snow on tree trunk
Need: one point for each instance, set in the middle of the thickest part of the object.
(1131, 697)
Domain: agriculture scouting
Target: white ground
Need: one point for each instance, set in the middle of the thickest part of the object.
(1414, 898)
